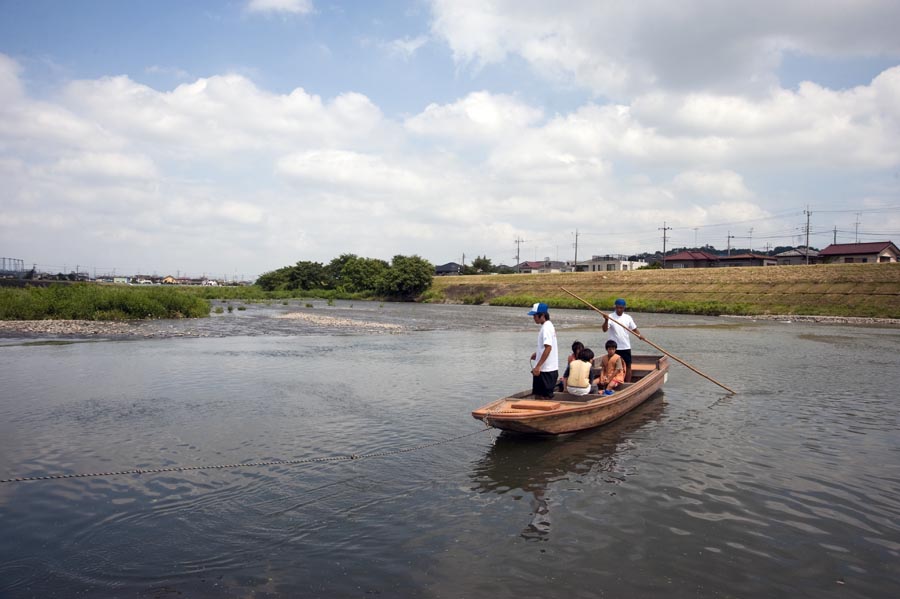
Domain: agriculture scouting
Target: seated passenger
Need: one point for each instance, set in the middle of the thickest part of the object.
(612, 370)
(579, 380)
(576, 347)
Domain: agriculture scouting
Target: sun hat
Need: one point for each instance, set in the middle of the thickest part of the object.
(620, 302)
(539, 308)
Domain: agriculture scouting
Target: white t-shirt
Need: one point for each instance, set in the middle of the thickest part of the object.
(547, 336)
(618, 334)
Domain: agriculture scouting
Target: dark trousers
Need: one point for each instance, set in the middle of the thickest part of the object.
(626, 356)
(543, 384)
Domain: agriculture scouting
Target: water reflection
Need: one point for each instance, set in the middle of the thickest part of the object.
(521, 465)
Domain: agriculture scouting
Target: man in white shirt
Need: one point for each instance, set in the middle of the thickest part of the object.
(619, 334)
(545, 360)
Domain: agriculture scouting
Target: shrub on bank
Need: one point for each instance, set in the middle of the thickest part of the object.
(85, 301)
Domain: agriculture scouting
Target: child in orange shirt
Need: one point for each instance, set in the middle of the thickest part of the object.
(612, 370)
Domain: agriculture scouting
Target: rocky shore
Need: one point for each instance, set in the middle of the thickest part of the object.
(227, 325)
(89, 328)
(333, 321)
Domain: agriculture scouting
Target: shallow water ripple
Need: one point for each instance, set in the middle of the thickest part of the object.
(790, 488)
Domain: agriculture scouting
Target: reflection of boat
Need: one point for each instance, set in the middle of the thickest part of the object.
(567, 413)
(531, 465)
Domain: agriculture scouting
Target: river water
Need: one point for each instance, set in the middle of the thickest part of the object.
(789, 489)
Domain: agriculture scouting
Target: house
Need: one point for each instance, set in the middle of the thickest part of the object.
(542, 266)
(608, 263)
(451, 268)
(747, 260)
(169, 280)
(688, 259)
(798, 256)
(849, 253)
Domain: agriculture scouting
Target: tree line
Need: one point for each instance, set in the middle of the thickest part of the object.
(405, 277)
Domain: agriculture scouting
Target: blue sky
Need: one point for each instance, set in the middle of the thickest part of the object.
(240, 136)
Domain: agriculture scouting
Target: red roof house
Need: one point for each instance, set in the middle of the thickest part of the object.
(873, 252)
(688, 259)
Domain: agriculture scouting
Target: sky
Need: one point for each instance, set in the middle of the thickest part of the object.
(232, 138)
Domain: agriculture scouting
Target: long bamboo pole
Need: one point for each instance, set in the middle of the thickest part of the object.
(645, 340)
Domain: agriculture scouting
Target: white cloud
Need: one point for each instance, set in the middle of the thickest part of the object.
(219, 169)
(109, 165)
(406, 47)
(623, 48)
(225, 113)
(725, 185)
(347, 170)
(296, 7)
(480, 115)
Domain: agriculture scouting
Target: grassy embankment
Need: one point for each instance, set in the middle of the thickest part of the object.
(870, 290)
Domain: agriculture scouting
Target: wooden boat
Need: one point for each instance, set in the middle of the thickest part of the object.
(567, 413)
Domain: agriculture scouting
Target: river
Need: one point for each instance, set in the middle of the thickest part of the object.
(791, 488)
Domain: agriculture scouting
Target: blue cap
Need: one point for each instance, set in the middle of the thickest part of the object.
(539, 308)
(620, 302)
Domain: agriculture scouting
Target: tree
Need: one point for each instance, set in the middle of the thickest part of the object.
(335, 269)
(363, 274)
(307, 275)
(482, 264)
(276, 279)
(407, 277)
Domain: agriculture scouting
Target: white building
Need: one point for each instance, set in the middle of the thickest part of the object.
(609, 263)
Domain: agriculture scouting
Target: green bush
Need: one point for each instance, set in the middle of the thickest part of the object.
(85, 301)
(475, 300)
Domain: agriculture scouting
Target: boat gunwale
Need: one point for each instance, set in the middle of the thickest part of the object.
(577, 407)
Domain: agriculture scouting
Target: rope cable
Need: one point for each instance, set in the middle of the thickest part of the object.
(338, 458)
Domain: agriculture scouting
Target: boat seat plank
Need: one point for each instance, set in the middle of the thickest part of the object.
(545, 406)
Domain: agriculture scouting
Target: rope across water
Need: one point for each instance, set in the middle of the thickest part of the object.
(339, 458)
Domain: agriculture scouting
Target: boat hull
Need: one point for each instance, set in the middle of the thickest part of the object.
(576, 413)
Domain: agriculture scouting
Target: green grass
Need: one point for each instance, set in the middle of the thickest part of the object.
(868, 290)
(709, 308)
(85, 301)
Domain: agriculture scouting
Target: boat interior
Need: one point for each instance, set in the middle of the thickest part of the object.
(639, 369)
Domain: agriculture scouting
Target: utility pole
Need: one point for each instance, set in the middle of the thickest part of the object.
(835, 235)
(808, 214)
(695, 237)
(857, 226)
(729, 238)
(665, 230)
(576, 250)
(519, 242)
(751, 240)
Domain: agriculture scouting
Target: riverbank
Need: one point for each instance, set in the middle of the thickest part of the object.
(842, 290)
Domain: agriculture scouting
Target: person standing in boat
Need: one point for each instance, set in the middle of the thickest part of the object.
(545, 361)
(619, 334)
